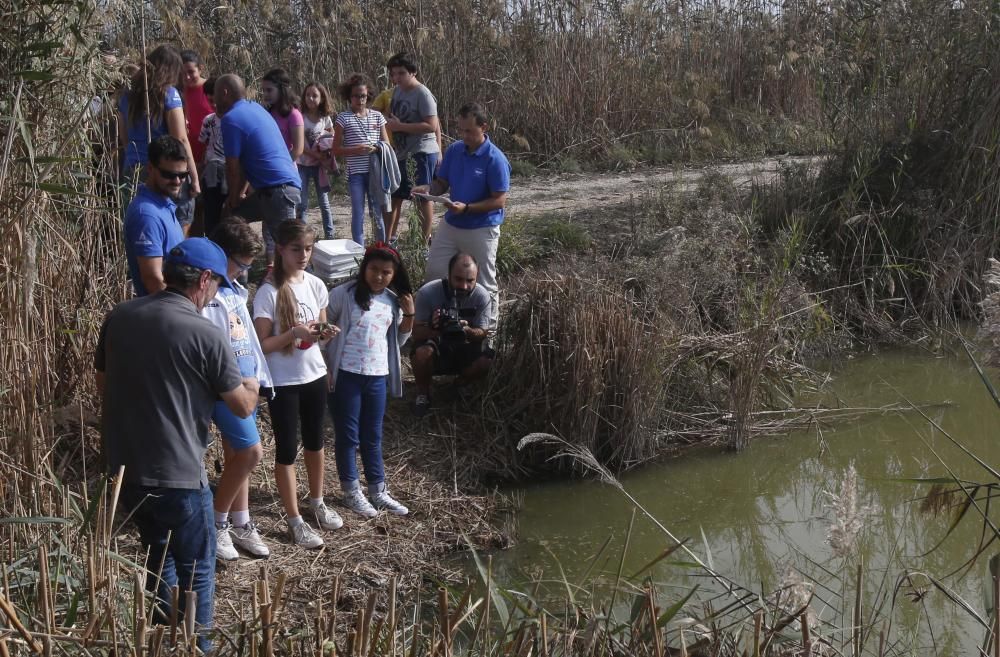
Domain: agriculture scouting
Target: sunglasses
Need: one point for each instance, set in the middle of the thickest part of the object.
(360, 96)
(173, 175)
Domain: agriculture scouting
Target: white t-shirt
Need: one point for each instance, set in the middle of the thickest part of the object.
(366, 345)
(302, 365)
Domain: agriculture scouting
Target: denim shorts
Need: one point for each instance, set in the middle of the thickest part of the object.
(239, 432)
(426, 163)
(272, 205)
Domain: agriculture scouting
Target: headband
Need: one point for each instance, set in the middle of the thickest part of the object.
(382, 246)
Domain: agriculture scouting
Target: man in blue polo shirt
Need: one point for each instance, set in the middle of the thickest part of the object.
(478, 175)
(255, 153)
(151, 226)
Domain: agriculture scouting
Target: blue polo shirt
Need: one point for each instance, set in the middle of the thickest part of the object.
(139, 138)
(472, 177)
(151, 230)
(250, 134)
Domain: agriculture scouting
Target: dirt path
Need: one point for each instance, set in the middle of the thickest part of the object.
(568, 193)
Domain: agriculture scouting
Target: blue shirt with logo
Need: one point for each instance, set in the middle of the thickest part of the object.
(151, 230)
(139, 137)
(474, 177)
(250, 134)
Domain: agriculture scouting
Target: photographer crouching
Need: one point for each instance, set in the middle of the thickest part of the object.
(450, 329)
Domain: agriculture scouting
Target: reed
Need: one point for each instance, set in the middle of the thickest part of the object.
(69, 588)
(565, 82)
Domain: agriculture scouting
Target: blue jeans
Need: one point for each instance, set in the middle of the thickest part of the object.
(358, 405)
(311, 173)
(187, 516)
(357, 187)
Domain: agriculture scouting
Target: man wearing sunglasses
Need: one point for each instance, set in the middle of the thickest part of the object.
(151, 226)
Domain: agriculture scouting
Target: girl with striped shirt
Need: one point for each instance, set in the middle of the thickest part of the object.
(355, 134)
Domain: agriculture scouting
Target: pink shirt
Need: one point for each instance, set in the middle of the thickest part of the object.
(286, 123)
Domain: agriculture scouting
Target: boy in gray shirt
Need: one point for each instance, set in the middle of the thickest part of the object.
(413, 120)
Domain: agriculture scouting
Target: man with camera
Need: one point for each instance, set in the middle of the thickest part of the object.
(450, 328)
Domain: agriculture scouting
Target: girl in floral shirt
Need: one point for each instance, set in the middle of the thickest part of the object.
(375, 316)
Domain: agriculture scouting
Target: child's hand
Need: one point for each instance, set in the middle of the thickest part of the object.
(406, 304)
(305, 332)
(325, 330)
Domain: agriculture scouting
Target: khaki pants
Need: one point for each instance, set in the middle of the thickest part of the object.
(480, 243)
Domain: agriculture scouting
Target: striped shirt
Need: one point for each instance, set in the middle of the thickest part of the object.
(360, 130)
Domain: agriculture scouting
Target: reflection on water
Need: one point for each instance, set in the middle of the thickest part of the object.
(768, 508)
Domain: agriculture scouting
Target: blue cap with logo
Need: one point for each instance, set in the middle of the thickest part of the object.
(202, 253)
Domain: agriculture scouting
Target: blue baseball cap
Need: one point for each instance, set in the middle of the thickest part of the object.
(202, 253)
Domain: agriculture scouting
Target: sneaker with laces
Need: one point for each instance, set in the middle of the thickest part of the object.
(356, 501)
(422, 405)
(224, 550)
(326, 518)
(381, 499)
(304, 536)
(248, 539)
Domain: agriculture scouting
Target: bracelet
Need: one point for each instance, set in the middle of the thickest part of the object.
(409, 315)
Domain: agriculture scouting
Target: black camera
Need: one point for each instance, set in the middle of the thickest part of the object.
(450, 322)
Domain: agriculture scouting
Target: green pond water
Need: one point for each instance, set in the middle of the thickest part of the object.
(763, 511)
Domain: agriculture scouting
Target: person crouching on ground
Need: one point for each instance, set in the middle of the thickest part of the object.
(375, 313)
(289, 315)
(452, 323)
(240, 438)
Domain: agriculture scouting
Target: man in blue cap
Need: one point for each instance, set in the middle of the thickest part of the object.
(161, 366)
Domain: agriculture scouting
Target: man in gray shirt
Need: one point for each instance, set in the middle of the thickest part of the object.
(160, 368)
(451, 324)
(413, 121)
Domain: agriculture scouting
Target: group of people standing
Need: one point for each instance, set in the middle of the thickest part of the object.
(190, 351)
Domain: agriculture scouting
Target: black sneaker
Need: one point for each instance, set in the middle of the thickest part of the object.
(422, 405)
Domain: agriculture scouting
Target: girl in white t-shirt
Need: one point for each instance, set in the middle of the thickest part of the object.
(375, 313)
(289, 315)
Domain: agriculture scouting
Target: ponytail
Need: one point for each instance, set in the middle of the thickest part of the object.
(286, 305)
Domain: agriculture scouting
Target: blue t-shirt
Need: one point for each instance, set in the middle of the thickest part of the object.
(239, 331)
(151, 230)
(137, 150)
(251, 134)
(473, 177)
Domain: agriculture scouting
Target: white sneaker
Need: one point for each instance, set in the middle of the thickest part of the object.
(224, 549)
(381, 499)
(248, 539)
(326, 517)
(304, 536)
(356, 501)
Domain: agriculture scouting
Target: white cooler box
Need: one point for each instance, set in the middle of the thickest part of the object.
(335, 260)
